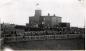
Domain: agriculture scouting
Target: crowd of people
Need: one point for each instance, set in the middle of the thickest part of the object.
(41, 33)
(8, 31)
(49, 31)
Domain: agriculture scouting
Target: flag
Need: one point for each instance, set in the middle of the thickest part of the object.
(37, 4)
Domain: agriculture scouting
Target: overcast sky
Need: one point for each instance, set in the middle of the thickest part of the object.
(18, 11)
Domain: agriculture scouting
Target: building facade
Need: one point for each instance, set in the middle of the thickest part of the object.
(38, 19)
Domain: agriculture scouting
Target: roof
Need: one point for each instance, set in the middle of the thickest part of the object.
(51, 16)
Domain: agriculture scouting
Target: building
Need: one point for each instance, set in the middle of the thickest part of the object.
(7, 27)
(38, 19)
(63, 24)
(0, 30)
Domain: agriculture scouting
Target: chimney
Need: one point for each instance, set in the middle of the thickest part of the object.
(54, 15)
(48, 14)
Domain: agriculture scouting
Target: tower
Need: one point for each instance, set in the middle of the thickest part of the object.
(37, 16)
(38, 10)
(37, 13)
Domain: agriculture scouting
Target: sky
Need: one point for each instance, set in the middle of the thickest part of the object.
(18, 11)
